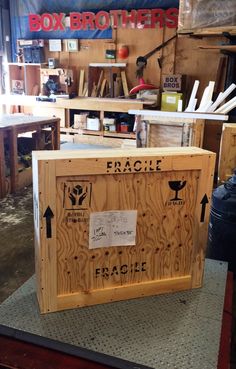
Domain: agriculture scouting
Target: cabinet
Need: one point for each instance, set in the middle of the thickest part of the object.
(32, 79)
(24, 78)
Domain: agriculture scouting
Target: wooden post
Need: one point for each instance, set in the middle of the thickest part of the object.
(2, 166)
(13, 158)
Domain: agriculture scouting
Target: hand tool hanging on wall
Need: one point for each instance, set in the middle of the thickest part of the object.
(141, 61)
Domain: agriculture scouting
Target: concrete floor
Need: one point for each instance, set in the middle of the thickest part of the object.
(16, 241)
(17, 249)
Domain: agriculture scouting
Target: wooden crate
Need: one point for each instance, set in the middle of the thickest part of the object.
(110, 226)
(227, 156)
(163, 132)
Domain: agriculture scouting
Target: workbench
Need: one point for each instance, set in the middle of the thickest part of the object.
(178, 330)
(10, 127)
(62, 107)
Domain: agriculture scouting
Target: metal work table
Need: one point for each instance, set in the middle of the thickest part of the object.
(10, 127)
(177, 331)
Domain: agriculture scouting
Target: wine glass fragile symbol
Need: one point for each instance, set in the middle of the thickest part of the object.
(176, 186)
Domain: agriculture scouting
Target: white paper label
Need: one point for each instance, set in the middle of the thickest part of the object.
(171, 99)
(112, 228)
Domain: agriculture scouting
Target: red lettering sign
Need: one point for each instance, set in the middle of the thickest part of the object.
(142, 18)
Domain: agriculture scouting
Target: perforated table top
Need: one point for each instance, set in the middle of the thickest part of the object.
(177, 331)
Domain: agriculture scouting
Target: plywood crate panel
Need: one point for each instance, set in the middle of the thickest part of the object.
(227, 156)
(119, 224)
(175, 132)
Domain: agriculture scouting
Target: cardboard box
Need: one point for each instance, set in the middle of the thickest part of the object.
(173, 82)
(80, 121)
(113, 225)
(169, 100)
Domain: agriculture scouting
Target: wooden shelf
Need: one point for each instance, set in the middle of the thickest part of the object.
(25, 64)
(84, 131)
(108, 65)
(231, 48)
(91, 132)
(213, 31)
(120, 134)
(130, 135)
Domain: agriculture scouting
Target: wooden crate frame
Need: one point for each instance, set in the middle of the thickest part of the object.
(227, 156)
(163, 132)
(171, 234)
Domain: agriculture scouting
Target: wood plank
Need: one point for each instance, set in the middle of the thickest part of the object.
(94, 90)
(81, 82)
(124, 83)
(218, 47)
(108, 65)
(175, 133)
(227, 156)
(85, 90)
(220, 75)
(158, 113)
(45, 243)
(119, 134)
(111, 83)
(99, 83)
(201, 227)
(211, 31)
(124, 292)
(93, 76)
(83, 103)
(103, 86)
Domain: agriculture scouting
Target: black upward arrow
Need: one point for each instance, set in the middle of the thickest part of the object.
(203, 203)
(48, 215)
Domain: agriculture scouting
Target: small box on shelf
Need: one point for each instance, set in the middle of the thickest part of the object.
(170, 101)
(93, 124)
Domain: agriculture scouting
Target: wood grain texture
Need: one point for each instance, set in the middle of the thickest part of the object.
(147, 194)
(170, 238)
(206, 177)
(175, 132)
(48, 253)
(227, 156)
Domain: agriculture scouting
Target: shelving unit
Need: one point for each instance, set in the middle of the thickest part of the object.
(62, 107)
(110, 73)
(24, 78)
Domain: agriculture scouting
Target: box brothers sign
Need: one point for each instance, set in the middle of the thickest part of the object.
(142, 18)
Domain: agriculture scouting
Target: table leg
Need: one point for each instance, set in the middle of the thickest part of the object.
(2, 167)
(38, 139)
(67, 118)
(13, 159)
(141, 132)
(56, 135)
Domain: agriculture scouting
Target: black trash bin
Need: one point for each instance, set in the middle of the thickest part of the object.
(222, 226)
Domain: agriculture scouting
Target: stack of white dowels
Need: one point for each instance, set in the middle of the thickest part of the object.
(207, 105)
